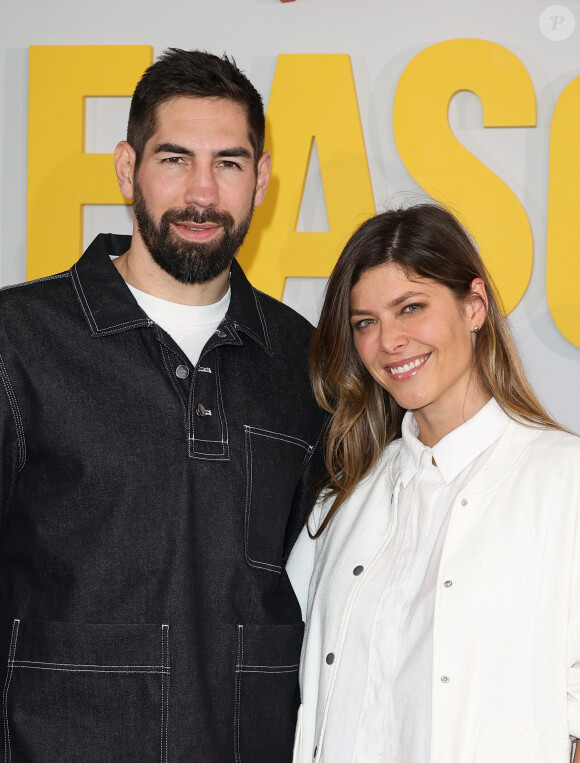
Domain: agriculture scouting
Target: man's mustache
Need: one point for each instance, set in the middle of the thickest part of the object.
(198, 217)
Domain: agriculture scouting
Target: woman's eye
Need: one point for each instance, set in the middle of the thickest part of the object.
(412, 308)
(363, 324)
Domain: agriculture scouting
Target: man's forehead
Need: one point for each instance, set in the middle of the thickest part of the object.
(205, 114)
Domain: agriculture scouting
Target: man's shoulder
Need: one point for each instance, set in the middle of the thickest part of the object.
(39, 288)
(286, 316)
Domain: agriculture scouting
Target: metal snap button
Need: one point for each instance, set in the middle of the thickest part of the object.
(357, 570)
(329, 658)
(221, 333)
(182, 372)
(445, 679)
(448, 583)
(200, 410)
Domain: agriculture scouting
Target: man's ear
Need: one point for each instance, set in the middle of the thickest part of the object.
(262, 177)
(125, 167)
(476, 303)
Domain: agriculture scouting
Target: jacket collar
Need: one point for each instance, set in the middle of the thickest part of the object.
(109, 307)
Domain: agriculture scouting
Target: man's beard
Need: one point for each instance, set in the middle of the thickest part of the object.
(186, 261)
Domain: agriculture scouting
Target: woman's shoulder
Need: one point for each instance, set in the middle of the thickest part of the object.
(548, 438)
(382, 476)
(546, 444)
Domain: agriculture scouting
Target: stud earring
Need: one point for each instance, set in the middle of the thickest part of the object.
(475, 329)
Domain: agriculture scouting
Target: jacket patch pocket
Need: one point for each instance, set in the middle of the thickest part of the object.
(86, 693)
(266, 695)
(274, 463)
(501, 742)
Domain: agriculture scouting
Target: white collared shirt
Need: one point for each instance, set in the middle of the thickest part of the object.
(381, 704)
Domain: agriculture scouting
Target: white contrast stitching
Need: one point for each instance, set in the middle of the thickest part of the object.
(35, 280)
(279, 436)
(83, 665)
(20, 439)
(164, 692)
(81, 299)
(273, 670)
(238, 689)
(269, 667)
(262, 321)
(104, 669)
(11, 653)
(276, 568)
(91, 319)
(224, 435)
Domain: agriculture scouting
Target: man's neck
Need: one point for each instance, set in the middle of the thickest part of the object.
(138, 269)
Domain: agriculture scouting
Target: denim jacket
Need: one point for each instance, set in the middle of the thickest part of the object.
(148, 507)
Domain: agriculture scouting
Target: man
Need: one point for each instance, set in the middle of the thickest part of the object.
(158, 439)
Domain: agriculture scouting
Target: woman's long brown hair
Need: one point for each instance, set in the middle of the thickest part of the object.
(427, 242)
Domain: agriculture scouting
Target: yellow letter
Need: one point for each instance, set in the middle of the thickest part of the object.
(450, 173)
(312, 96)
(562, 251)
(61, 177)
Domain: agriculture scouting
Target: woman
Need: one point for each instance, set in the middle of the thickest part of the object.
(443, 616)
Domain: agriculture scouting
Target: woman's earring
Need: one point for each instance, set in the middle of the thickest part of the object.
(475, 329)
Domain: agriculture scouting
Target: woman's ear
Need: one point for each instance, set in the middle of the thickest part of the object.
(476, 304)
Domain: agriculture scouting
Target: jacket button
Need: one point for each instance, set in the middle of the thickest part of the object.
(445, 679)
(358, 570)
(329, 658)
(182, 372)
(448, 583)
(221, 333)
(464, 502)
(200, 410)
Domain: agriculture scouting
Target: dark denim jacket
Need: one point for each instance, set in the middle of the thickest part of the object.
(147, 509)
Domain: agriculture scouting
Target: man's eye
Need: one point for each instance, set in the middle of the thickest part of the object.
(173, 160)
(229, 165)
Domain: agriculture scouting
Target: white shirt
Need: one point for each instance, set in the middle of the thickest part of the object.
(190, 326)
(381, 704)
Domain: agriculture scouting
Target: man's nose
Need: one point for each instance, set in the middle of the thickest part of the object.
(201, 188)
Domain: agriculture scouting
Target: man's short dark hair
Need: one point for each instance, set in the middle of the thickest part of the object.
(197, 74)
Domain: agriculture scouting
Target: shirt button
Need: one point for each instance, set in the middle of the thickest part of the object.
(200, 410)
(448, 583)
(329, 658)
(182, 372)
(357, 570)
(464, 502)
(445, 679)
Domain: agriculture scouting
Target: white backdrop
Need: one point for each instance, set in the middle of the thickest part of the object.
(381, 37)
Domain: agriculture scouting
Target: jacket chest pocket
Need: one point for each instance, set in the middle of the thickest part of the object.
(86, 692)
(274, 464)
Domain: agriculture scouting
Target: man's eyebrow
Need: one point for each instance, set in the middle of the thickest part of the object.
(173, 148)
(235, 152)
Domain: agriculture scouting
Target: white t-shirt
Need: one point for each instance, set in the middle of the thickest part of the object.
(381, 705)
(190, 326)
